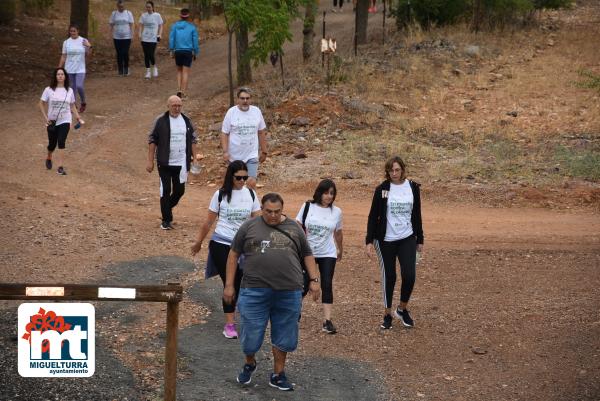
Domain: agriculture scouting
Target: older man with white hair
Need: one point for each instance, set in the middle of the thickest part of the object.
(172, 142)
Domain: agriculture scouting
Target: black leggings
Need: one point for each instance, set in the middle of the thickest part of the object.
(326, 268)
(58, 136)
(149, 49)
(169, 180)
(406, 252)
(122, 48)
(219, 253)
(340, 1)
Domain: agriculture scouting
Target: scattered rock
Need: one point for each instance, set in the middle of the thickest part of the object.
(359, 105)
(20, 198)
(458, 72)
(478, 351)
(470, 177)
(313, 100)
(395, 106)
(300, 121)
(216, 127)
(350, 175)
(301, 154)
(513, 113)
(550, 42)
(473, 51)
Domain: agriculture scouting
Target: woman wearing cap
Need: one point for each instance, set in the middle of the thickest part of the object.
(121, 25)
(183, 45)
(394, 231)
(230, 206)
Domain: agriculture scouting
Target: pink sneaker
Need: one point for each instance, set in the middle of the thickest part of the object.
(229, 331)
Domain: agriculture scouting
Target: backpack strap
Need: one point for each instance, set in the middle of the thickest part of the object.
(304, 214)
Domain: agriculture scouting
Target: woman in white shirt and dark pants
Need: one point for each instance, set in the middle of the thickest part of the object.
(322, 223)
(394, 231)
(230, 206)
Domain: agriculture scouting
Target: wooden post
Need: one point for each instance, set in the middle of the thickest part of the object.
(355, 34)
(328, 72)
(171, 351)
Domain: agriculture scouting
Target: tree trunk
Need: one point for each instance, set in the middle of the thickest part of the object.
(244, 70)
(309, 30)
(8, 11)
(362, 19)
(79, 15)
(229, 69)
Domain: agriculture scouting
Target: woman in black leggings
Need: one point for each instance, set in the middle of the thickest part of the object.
(230, 206)
(394, 231)
(322, 222)
(151, 26)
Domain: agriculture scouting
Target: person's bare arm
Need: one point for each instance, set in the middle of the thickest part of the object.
(311, 267)
(225, 146)
(262, 142)
(151, 153)
(204, 229)
(339, 242)
(43, 107)
(229, 290)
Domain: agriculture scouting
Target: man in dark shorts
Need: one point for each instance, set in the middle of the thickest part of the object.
(183, 45)
(271, 288)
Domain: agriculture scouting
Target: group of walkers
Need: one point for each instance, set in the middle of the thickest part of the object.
(266, 261)
(58, 102)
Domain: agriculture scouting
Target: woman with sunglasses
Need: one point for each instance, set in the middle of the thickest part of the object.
(395, 231)
(230, 206)
(322, 222)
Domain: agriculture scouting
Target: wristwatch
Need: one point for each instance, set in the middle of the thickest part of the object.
(316, 279)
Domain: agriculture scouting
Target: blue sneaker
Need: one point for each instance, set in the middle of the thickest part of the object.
(245, 376)
(281, 382)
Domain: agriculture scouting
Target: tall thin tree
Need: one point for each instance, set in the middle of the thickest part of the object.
(79, 15)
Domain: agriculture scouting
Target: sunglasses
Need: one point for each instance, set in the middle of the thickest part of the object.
(244, 98)
(241, 177)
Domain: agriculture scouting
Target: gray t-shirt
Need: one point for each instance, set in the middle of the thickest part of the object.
(271, 258)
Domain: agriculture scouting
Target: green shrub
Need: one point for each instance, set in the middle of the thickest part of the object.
(582, 164)
(430, 12)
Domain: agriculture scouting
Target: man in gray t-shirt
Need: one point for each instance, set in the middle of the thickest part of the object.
(271, 288)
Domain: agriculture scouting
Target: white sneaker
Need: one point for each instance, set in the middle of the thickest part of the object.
(155, 72)
(147, 76)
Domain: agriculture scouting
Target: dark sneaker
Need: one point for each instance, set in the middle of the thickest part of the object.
(179, 94)
(404, 317)
(387, 322)
(281, 382)
(82, 107)
(328, 327)
(165, 225)
(245, 376)
(61, 171)
(49, 164)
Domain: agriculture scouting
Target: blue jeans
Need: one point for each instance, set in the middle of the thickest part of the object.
(258, 306)
(252, 165)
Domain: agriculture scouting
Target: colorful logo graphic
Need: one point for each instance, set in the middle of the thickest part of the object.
(56, 340)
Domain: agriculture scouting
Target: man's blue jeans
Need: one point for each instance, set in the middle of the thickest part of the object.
(258, 306)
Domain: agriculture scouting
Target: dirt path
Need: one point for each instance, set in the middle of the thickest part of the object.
(506, 301)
